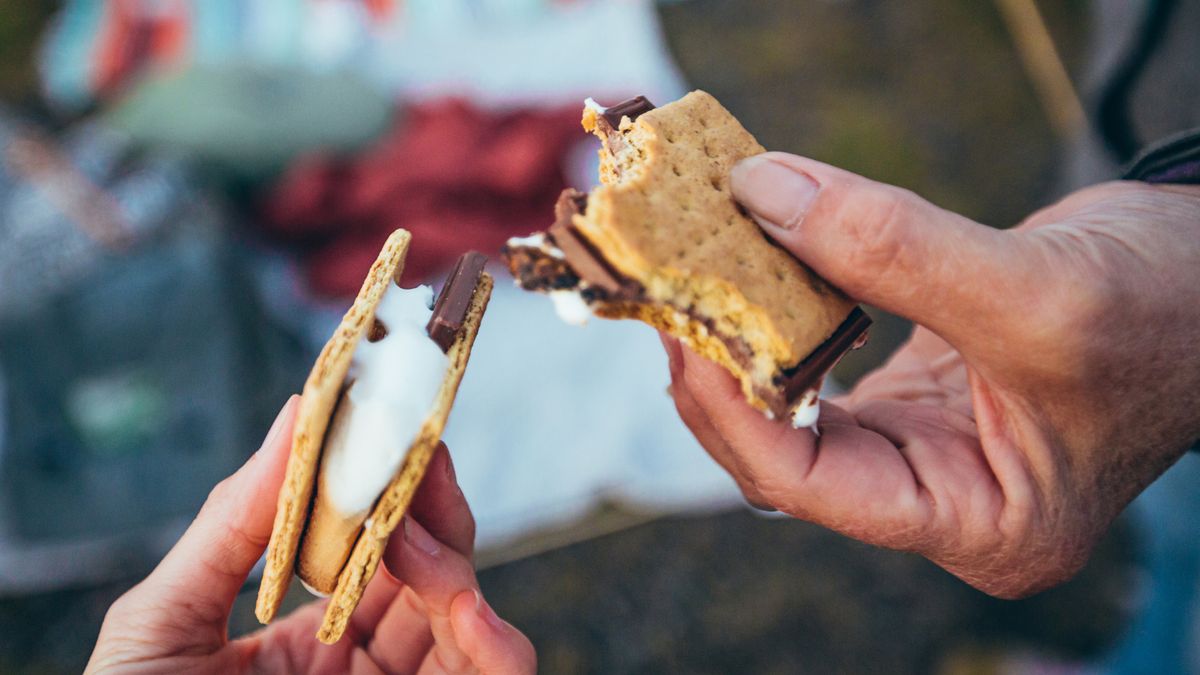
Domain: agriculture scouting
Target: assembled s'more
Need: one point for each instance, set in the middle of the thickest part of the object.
(372, 412)
(662, 240)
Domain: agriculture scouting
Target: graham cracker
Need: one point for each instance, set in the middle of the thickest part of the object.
(318, 400)
(665, 216)
(322, 391)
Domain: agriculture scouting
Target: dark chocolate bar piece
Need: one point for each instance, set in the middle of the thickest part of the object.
(450, 309)
(633, 108)
(583, 257)
(540, 271)
(810, 371)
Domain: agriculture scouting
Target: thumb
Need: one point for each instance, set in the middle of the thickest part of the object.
(878, 243)
(193, 588)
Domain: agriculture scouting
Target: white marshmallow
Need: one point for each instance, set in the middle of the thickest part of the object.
(312, 590)
(396, 381)
(807, 411)
(571, 307)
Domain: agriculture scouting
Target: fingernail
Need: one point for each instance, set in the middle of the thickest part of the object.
(776, 194)
(277, 425)
(417, 536)
(673, 361)
(673, 348)
(485, 611)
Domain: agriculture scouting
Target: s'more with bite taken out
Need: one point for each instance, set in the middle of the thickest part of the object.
(662, 240)
(372, 412)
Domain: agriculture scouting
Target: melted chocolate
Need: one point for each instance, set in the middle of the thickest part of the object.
(377, 331)
(851, 334)
(537, 270)
(583, 256)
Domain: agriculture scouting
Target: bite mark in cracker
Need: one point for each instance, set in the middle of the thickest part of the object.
(662, 240)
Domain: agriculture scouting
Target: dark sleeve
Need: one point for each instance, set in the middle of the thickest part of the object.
(1175, 159)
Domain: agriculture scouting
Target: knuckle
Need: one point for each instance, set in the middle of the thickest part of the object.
(757, 501)
(121, 607)
(876, 223)
(220, 493)
(750, 489)
(215, 507)
(766, 488)
(770, 493)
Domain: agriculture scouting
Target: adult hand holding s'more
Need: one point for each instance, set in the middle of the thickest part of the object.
(1052, 375)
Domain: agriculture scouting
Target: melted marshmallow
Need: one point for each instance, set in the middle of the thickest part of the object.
(807, 411)
(396, 380)
(571, 307)
(536, 240)
(312, 590)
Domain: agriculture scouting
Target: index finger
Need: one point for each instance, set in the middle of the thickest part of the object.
(850, 479)
(441, 506)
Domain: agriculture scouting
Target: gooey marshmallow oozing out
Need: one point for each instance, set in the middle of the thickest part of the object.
(568, 304)
(571, 307)
(312, 590)
(395, 382)
(807, 411)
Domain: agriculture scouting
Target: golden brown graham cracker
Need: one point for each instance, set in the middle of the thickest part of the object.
(321, 394)
(319, 398)
(664, 216)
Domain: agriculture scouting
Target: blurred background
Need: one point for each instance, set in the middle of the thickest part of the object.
(191, 192)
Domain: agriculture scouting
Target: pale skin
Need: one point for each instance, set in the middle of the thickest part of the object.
(1052, 375)
(422, 612)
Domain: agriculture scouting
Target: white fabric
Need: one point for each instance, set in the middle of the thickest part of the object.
(551, 419)
(511, 53)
